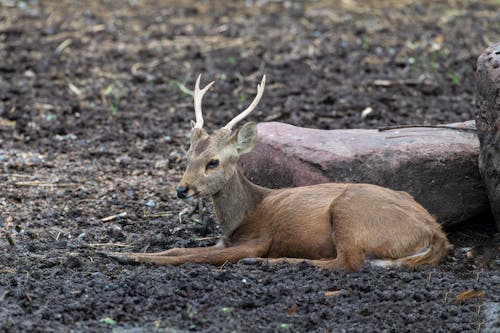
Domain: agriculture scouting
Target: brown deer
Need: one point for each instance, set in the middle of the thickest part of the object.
(331, 226)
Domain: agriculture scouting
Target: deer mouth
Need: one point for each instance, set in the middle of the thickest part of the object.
(192, 195)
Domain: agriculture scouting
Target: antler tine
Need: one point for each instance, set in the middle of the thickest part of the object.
(198, 96)
(251, 107)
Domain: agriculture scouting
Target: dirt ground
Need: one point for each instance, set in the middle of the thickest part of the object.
(94, 123)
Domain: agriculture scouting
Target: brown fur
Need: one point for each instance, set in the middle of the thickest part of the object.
(332, 226)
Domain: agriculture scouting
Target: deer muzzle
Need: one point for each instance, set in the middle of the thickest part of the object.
(182, 192)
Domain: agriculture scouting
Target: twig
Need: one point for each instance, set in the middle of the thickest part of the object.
(398, 136)
(479, 326)
(63, 46)
(145, 249)
(113, 217)
(205, 238)
(161, 214)
(18, 175)
(194, 209)
(388, 83)
(203, 218)
(389, 128)
(446, 296)
(94, 245)
(40, 184)
(200, 210)
(7, 123)
(74, 89)
(10, 240)
(224, 264)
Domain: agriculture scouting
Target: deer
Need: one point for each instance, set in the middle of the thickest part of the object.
(336, 226)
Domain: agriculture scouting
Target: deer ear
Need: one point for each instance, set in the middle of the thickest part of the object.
(245, 138)
(197, 134)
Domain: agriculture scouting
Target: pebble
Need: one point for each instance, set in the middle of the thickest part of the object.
(151, 203)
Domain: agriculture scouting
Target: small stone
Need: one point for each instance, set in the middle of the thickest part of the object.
(161, 164)
(151, 203)
(124, 160)
(81, 237)
(116, 232)
(29, 74)
(174, 156)
(69, 136)
(366, 112)
(333, 293)
(35, 160)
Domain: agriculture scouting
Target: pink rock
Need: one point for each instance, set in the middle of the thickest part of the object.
(438, 166)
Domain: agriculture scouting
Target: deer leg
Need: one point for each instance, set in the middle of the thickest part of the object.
(335, 263)
(182, 251)
(209, 255)
(350, 257)
(272, 261)
(350, 263)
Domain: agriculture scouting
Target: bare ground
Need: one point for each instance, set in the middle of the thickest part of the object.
(94, 118)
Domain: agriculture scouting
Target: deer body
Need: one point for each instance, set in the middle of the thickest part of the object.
(332, 226)
(360, 221)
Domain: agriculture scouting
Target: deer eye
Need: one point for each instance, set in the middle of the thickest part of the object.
(213, 164)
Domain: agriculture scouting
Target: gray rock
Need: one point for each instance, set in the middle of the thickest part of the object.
(488, 123)
(438, 166)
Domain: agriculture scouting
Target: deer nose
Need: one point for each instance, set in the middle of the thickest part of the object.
(182, 192)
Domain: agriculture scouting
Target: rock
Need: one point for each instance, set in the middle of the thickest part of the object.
(488, 123)
(438, 166)
(151, 203)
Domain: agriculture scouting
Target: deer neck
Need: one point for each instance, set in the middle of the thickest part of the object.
(235, 201)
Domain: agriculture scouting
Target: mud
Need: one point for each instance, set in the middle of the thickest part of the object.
(94, 122)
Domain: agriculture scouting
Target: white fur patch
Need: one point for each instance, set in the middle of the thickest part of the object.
(384, 263)
(397, 262)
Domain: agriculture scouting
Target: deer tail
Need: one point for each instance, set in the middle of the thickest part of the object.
(430, 255)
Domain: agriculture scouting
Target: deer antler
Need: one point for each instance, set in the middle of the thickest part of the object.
(251, 107)
(198, 96)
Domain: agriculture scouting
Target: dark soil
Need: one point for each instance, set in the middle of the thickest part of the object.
(94, 122)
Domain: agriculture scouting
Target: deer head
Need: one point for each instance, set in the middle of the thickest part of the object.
(212, 159)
